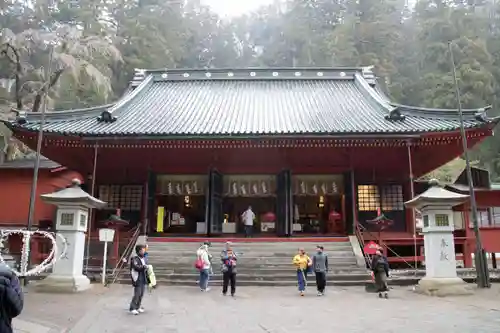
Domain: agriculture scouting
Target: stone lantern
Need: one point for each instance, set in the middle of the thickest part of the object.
(436, 205)
(71, 222)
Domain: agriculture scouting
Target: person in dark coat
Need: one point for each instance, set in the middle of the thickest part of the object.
(380, 268)
(228, 258)
(11, 297)
(139, 276)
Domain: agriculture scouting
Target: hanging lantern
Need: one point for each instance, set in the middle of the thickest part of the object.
(303, 188)
(323, 189)
(178, 188)
(263, 185)
(255, 189)
(187, 188)
(334, 188)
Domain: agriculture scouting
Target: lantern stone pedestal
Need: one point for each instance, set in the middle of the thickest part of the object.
(71, 222)
(441, 278)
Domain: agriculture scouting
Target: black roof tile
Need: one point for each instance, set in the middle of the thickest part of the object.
(252, 102)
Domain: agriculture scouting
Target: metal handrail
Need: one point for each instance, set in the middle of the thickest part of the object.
(362, 229)
(361, 242)
(126, 253)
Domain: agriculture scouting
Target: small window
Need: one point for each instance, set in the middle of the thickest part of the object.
(392, 198)
(67, 219)
(368, 197)
(83, 220)
(426, 221)
(442, 220)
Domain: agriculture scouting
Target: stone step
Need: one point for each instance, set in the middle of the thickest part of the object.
(248, 264)
(238, 247)
(261, 271)
(252, 258)
(256, 252)
(258, 277)
(241, 282)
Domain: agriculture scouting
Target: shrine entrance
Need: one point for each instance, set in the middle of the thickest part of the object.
(319, 205)
(243, 191)
(180, 204)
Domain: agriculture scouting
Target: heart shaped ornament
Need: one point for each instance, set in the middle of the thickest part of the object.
(49, 261)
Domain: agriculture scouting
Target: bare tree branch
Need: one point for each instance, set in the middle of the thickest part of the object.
(16, 60)
(38, 98)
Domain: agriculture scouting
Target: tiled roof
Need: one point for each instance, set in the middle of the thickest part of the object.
(29, 163)
(203, 103)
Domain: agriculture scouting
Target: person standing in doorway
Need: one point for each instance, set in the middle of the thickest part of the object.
(320, 266)
(248, 217)
(139, 276)
(228, 258)
(302, 262)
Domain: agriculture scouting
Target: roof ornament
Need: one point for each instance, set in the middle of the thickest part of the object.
(367, 72)
(395, 115)
(21, 118)
(481, 115)
(106, 117)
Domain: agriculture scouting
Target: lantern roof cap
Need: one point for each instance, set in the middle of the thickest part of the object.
(73, 195)
(436, 194)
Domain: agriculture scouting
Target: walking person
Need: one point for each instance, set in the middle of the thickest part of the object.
(248, 217)
(12, 299)
(204, 266)
(302, 262)
(228, 258)
(139, 276)
(320, 266)
(380, 268)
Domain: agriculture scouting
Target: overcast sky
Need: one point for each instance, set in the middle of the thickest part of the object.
(235, 7)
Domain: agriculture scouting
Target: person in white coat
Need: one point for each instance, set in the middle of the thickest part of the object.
(206, 268)
(248, 217)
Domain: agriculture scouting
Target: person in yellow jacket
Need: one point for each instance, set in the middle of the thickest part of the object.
(302, 262)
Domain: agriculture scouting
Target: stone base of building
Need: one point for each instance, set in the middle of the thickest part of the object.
(442, 287)
(63, 284)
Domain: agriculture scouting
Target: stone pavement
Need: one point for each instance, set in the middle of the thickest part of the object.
(262, 310)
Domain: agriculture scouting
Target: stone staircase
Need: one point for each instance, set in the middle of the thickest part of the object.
(260, 263)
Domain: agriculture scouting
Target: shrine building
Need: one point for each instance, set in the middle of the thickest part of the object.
(313, 151)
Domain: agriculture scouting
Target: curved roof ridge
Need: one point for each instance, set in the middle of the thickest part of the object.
(368, 90)
(471, 112)
(139, 71)
(63, 114)
(109, 115)
(130, 96)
